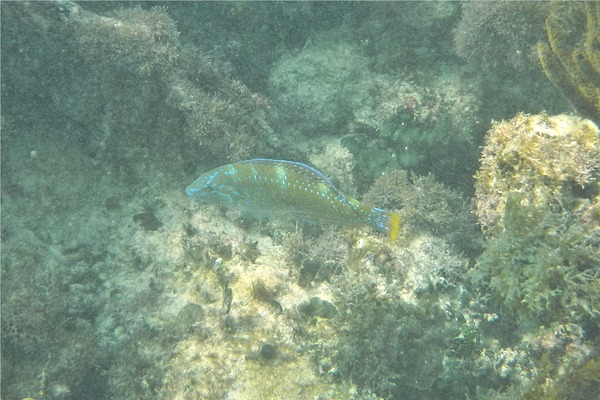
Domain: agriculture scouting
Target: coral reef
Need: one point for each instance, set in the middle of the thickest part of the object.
(392, 120)
(537, 188)
(132, 39)
(409, 293)
(497, 40)
(544, 266)
(311, 87)
(573, 64)
(398, 35)
(419, 125)
(537, 198)
(427, 206)
(580, 383)
(251, 37)
(149, 295)
(221, 114)
(130, 67)
(551, 161)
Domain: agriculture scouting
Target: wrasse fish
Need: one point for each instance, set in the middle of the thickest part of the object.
(264, 187)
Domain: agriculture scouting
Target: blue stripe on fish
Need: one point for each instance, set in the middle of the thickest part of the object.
(263, 187)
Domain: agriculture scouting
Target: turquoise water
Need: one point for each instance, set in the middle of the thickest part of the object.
(468, 120)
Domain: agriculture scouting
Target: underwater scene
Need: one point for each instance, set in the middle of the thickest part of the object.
(300, 200)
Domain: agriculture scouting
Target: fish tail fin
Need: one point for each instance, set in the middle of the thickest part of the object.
(385, 222)
(394, 228)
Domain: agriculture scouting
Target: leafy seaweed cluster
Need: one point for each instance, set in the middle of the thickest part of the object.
(396, 308)
(537, 199)
(544, 267)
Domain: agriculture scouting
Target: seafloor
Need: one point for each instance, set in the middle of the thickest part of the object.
(115, 285)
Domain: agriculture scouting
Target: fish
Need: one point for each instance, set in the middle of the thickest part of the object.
(278, 187)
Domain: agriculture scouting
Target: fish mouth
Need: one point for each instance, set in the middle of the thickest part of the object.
(190, 191)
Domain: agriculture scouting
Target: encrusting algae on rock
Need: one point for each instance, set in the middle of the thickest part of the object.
(263, 186)
(548, 160)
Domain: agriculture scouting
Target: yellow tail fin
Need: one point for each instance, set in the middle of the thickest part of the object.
(385, 222)
(394, 227)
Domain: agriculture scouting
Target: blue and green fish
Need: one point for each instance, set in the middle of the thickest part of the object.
(265, 187)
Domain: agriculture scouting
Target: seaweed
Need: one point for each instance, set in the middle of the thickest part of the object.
(573, 64)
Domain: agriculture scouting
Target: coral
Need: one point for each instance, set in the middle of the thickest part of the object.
(316, 258)
(143, 83)
(573, 64)
(218, 110)
(420, 103)
(551, 161)
(238, 32)
(221, 114)
(194, 92)
(497, 40)
(390, 306)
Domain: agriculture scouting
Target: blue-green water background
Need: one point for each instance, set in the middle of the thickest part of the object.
(113, 286)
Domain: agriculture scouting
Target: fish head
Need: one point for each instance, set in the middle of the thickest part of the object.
(212, 188)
